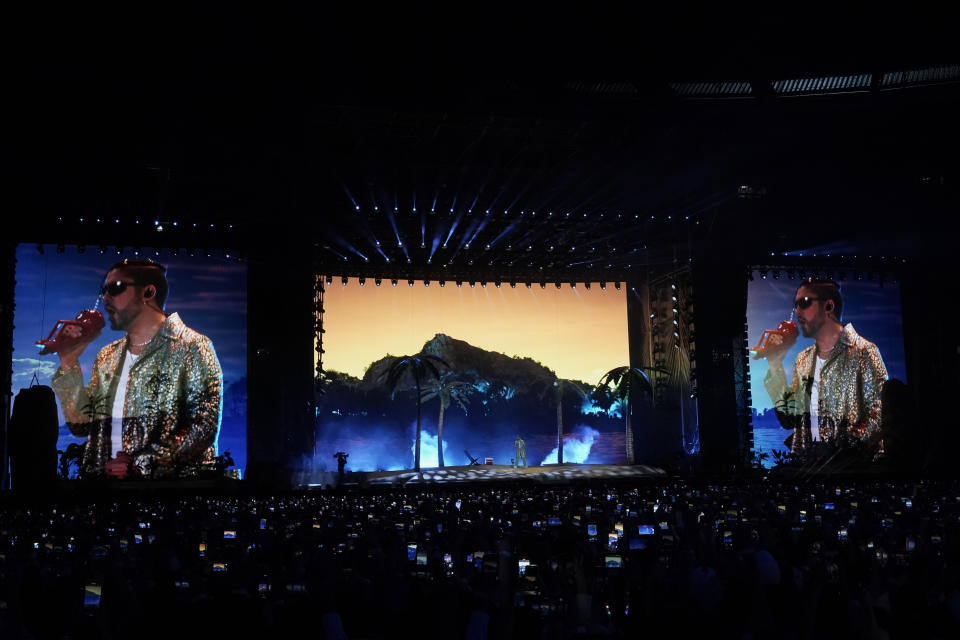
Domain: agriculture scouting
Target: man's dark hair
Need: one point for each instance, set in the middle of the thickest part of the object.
(826, 290)
(145, 272)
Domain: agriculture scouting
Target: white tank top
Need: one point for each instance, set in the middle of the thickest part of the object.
(815, 400)
(116, 421)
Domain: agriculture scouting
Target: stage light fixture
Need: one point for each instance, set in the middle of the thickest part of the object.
(442, 283)
(483, 284)
(513, 285)
(473, 285)
(586, 285)
(557, 283)
(498, 284)
(603, 286)
(409, 283)
(617, 286)
(528, 285)
(543, 285)
(343, 281)
(573, 285)
(393, 282)
(459, 283)
(329, 281)
(377, 281)
(363, 281)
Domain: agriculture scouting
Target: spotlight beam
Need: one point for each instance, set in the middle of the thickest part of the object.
(350, 196)
(509, 229)
(479, 227)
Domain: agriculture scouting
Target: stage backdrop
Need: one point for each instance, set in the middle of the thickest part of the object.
(873, 309)
(510, 354)
(210, 294)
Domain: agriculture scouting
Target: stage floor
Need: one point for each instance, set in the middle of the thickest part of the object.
(547, 474)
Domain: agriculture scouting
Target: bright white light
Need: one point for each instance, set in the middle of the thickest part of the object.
(428, 449)
(576, 446)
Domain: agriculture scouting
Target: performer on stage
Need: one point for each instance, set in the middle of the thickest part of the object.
(834, 395)
(341, 457)
(155, 395)
(521, 452)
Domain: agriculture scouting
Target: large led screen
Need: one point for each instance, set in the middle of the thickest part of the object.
(183, 412)
(513, 361)
(846, 387)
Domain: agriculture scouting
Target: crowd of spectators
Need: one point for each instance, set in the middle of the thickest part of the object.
(657, 559)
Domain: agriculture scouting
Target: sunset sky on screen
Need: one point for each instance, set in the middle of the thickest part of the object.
(579, 334)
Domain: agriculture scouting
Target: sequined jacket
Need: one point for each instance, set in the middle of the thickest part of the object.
(172, 405)
(849, 396)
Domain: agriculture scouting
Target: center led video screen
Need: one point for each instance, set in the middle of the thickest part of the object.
(853, 377)
(509, 356)
(184, 410)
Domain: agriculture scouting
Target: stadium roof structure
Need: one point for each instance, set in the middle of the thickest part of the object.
(470, 141)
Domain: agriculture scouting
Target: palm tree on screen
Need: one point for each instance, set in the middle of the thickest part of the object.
(562, 387)
(421, 367)
(620, 383)
(448, 390)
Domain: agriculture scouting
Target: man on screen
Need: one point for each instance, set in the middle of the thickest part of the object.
(834, 396)
(155, 395)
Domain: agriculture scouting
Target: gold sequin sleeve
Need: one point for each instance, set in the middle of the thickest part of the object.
(789, 401)
(871, 376)
(85, 406)
(201, 390)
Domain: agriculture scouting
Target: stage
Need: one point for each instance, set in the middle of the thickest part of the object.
(546, 474)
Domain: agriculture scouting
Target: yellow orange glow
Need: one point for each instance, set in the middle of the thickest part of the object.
(577, 333)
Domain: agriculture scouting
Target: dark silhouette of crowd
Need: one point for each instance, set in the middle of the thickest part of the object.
(658, 559)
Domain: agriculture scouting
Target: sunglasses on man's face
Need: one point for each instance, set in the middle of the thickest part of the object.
(804, 302)
(115, 288)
